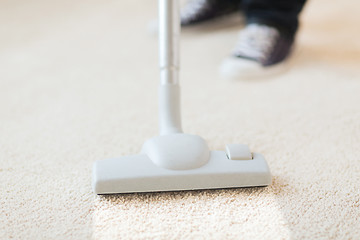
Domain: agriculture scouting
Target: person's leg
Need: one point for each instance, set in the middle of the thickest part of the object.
(198, 11)
(267, 39)
(282, 14)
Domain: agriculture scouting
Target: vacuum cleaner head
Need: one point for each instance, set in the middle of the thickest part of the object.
(180, 162)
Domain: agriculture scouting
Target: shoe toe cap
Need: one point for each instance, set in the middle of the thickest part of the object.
(234, 67)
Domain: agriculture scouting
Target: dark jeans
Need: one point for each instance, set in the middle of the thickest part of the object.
(282, 14)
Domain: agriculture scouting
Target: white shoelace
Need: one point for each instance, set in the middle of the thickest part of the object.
(192, 8)
(256, 41)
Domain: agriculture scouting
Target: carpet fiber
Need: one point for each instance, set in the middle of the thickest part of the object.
(78, 83)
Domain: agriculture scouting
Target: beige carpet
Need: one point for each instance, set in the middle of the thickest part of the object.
(78, 82)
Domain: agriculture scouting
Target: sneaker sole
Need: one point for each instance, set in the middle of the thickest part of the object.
(242, 69)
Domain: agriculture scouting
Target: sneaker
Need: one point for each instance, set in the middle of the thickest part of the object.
(197, 11)
(259, 52)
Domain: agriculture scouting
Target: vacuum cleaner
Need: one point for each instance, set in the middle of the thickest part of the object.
(175, 161)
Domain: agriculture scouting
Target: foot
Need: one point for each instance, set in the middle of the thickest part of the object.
(197, 11)
(259, 51)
